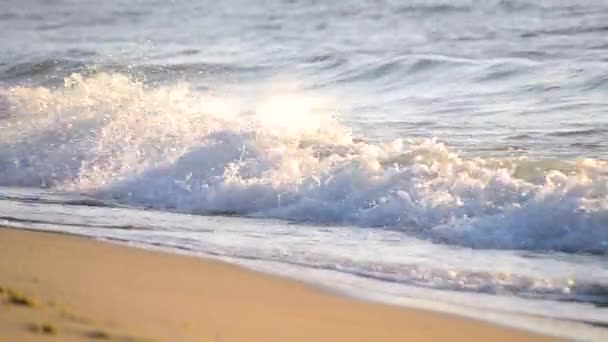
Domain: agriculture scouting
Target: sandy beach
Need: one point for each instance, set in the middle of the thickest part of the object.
(70, 288)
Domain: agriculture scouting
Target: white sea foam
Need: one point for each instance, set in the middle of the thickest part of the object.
(172, 148)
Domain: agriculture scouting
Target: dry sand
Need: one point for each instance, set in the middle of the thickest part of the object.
(67, 288)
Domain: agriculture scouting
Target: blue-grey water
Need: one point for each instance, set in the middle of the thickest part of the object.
(451, 155)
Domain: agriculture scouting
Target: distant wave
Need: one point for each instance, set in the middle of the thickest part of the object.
(77, 61)
(431, 8)
(583, 132)
(24, 70)
(567, 31)
(171, 148)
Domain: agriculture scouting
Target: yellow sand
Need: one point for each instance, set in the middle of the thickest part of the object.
(87, 289)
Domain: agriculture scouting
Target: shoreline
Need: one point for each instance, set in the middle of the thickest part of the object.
(84, 288)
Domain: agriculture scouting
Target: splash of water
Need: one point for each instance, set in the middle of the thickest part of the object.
(172, 148)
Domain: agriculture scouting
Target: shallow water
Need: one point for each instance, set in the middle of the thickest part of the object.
(452, 151)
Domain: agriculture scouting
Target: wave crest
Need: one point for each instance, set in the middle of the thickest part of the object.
(175, 149)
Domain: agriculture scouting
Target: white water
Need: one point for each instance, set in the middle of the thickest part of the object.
(172, 148)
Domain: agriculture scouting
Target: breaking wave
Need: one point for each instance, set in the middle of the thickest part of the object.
(173, 148)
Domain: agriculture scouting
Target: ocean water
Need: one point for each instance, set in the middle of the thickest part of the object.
(450, 155)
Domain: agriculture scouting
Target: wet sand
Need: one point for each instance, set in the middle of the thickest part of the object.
(71, 288)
